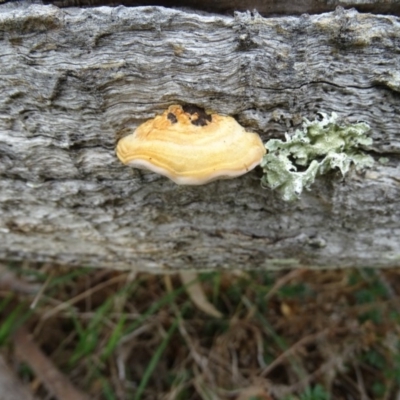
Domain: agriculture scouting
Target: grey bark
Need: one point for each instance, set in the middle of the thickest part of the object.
(72, 80)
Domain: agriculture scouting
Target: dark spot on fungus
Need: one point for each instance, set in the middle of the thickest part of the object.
(198, 115)
(200, 121)
(172, 118)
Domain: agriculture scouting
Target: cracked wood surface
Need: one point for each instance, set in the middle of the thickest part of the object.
(74, 80)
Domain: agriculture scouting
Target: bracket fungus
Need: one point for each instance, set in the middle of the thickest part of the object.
(191, 147)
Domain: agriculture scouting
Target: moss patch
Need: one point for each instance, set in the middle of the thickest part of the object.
(316, 148)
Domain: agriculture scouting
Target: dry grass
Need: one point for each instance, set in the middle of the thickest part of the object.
(301, 334)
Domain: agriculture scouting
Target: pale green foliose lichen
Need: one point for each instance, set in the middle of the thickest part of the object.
(318, 147)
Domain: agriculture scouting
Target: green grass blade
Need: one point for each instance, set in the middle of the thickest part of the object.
(114, 338)
(13, 321)
(154, 360)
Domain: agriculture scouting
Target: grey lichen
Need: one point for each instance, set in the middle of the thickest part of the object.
(318, 147)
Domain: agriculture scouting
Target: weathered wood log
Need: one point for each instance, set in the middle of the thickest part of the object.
(72, 79)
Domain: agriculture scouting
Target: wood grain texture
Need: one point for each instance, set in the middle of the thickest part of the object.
(72, 81)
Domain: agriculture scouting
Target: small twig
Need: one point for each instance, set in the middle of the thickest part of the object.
(360, 383)
(41, 291)
(260, 347)
(283, 281)
(67, 304)
(55, 382)
(292, 350)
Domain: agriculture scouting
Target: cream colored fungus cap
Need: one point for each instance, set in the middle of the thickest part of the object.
(191, 147)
